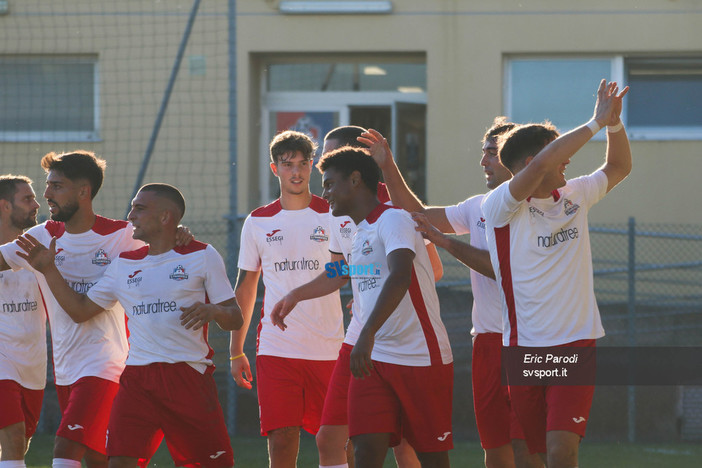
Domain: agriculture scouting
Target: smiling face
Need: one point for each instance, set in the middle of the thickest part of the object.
(495, 172)
(62, 195)
(24, 207)
(146, 216)
(337, 191)
(293, 171)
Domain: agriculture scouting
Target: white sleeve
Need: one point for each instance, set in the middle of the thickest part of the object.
(9, 250)
(459, 215)
(217, 284)
(591, 187)
(397, 231)
(499, 206)
(334, 244)
(103, 292)
(249, 256)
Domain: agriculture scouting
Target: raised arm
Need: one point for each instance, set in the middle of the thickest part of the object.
(400, 193)
(618, 157)
(78, 306)
(326, 283)
(607, 110)
(394, 289)
(246, 286)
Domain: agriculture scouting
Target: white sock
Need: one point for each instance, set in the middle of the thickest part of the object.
(345, 465)
(12, 464)
(65, 463)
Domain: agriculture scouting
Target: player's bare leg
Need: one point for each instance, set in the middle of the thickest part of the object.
(434, 459)
(13, 444)
(500, 457)
(283, 445)
(405, 456)
(522, 457)
(332, 445)
(66, 449)
(562, 449)
(370, 449)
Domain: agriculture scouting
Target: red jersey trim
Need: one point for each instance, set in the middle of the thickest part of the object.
(415, 292)
(193, 246)
(319, 204)
(137, 254)
(267, 211)
(377, 211)
(383, 193)
(503, 257)
(55, 228)
(106, 226)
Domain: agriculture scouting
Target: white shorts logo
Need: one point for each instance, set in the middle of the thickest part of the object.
(73, 427)
(443, 437)
(578, 420)
(218, 454)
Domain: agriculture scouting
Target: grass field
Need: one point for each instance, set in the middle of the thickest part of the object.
(251, 453)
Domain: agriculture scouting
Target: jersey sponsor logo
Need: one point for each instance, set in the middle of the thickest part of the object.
(366, 284)
(344, 230)
(570, 207)
(74, 427)
(319, 235)
(481, 223)
(273, 236)
(178, 274)
(101, 258)
(81, 287)
(154, 307)
(15, 307)
(334, 269)
(59, 259)
(533, 211)
(579, 420)
(564, 235)
(133, 279)
(217, 455)
(443, 437)
(296, 265)
(366, 249)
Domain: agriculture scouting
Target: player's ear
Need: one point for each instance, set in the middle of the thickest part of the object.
(355, 178)
(5, 205)
(274, 169)
(84, 190)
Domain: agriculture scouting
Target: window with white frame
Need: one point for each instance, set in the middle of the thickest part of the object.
(664, 102)
(48, 98)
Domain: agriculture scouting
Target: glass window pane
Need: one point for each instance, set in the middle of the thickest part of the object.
(665, 92)
(560, 90)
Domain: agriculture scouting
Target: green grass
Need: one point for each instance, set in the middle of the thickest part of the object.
(252, 453)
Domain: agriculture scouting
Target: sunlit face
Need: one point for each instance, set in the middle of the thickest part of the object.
(62, 196)
(24, 207)
(336, 189)
(495, 172)
(146, 215)
(293, 171)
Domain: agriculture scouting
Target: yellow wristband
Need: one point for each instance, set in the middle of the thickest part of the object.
(234, 358)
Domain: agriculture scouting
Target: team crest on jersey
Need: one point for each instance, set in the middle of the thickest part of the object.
(366, 249)
(101, 258)
(59, 259)
(345, 230)
(570, 207)
(179, 274)
(273, 236)
(319, 235)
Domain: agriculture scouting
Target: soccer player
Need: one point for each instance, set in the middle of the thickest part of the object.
(88, 356)
(537, 233)
(332, 438)
(402, 360)
(288, 240)
(170, 295)
(22, 330)
(500, 435)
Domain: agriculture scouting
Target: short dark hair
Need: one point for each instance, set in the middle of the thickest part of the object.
(168, 192)
(77, 165)
(347, 136)
(9, 183)
(499, 126)
(348, 159)
(524, 141)
(291, 141)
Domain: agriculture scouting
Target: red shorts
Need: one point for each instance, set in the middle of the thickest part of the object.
(545, 408)
(85, 410)
(175, 399)
(404, 401)
(335, 412)
(19, 404)
(291, 392)
(497, 423)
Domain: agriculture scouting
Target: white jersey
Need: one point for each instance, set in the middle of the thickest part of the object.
(291, 247)
(340, 242)
(22, 330)
(152, 289)
(96, 347)
(467, 218)
(540, 249)
(414, 334)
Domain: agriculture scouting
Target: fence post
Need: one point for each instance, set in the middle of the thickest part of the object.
(232, 219)
(631, 332)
